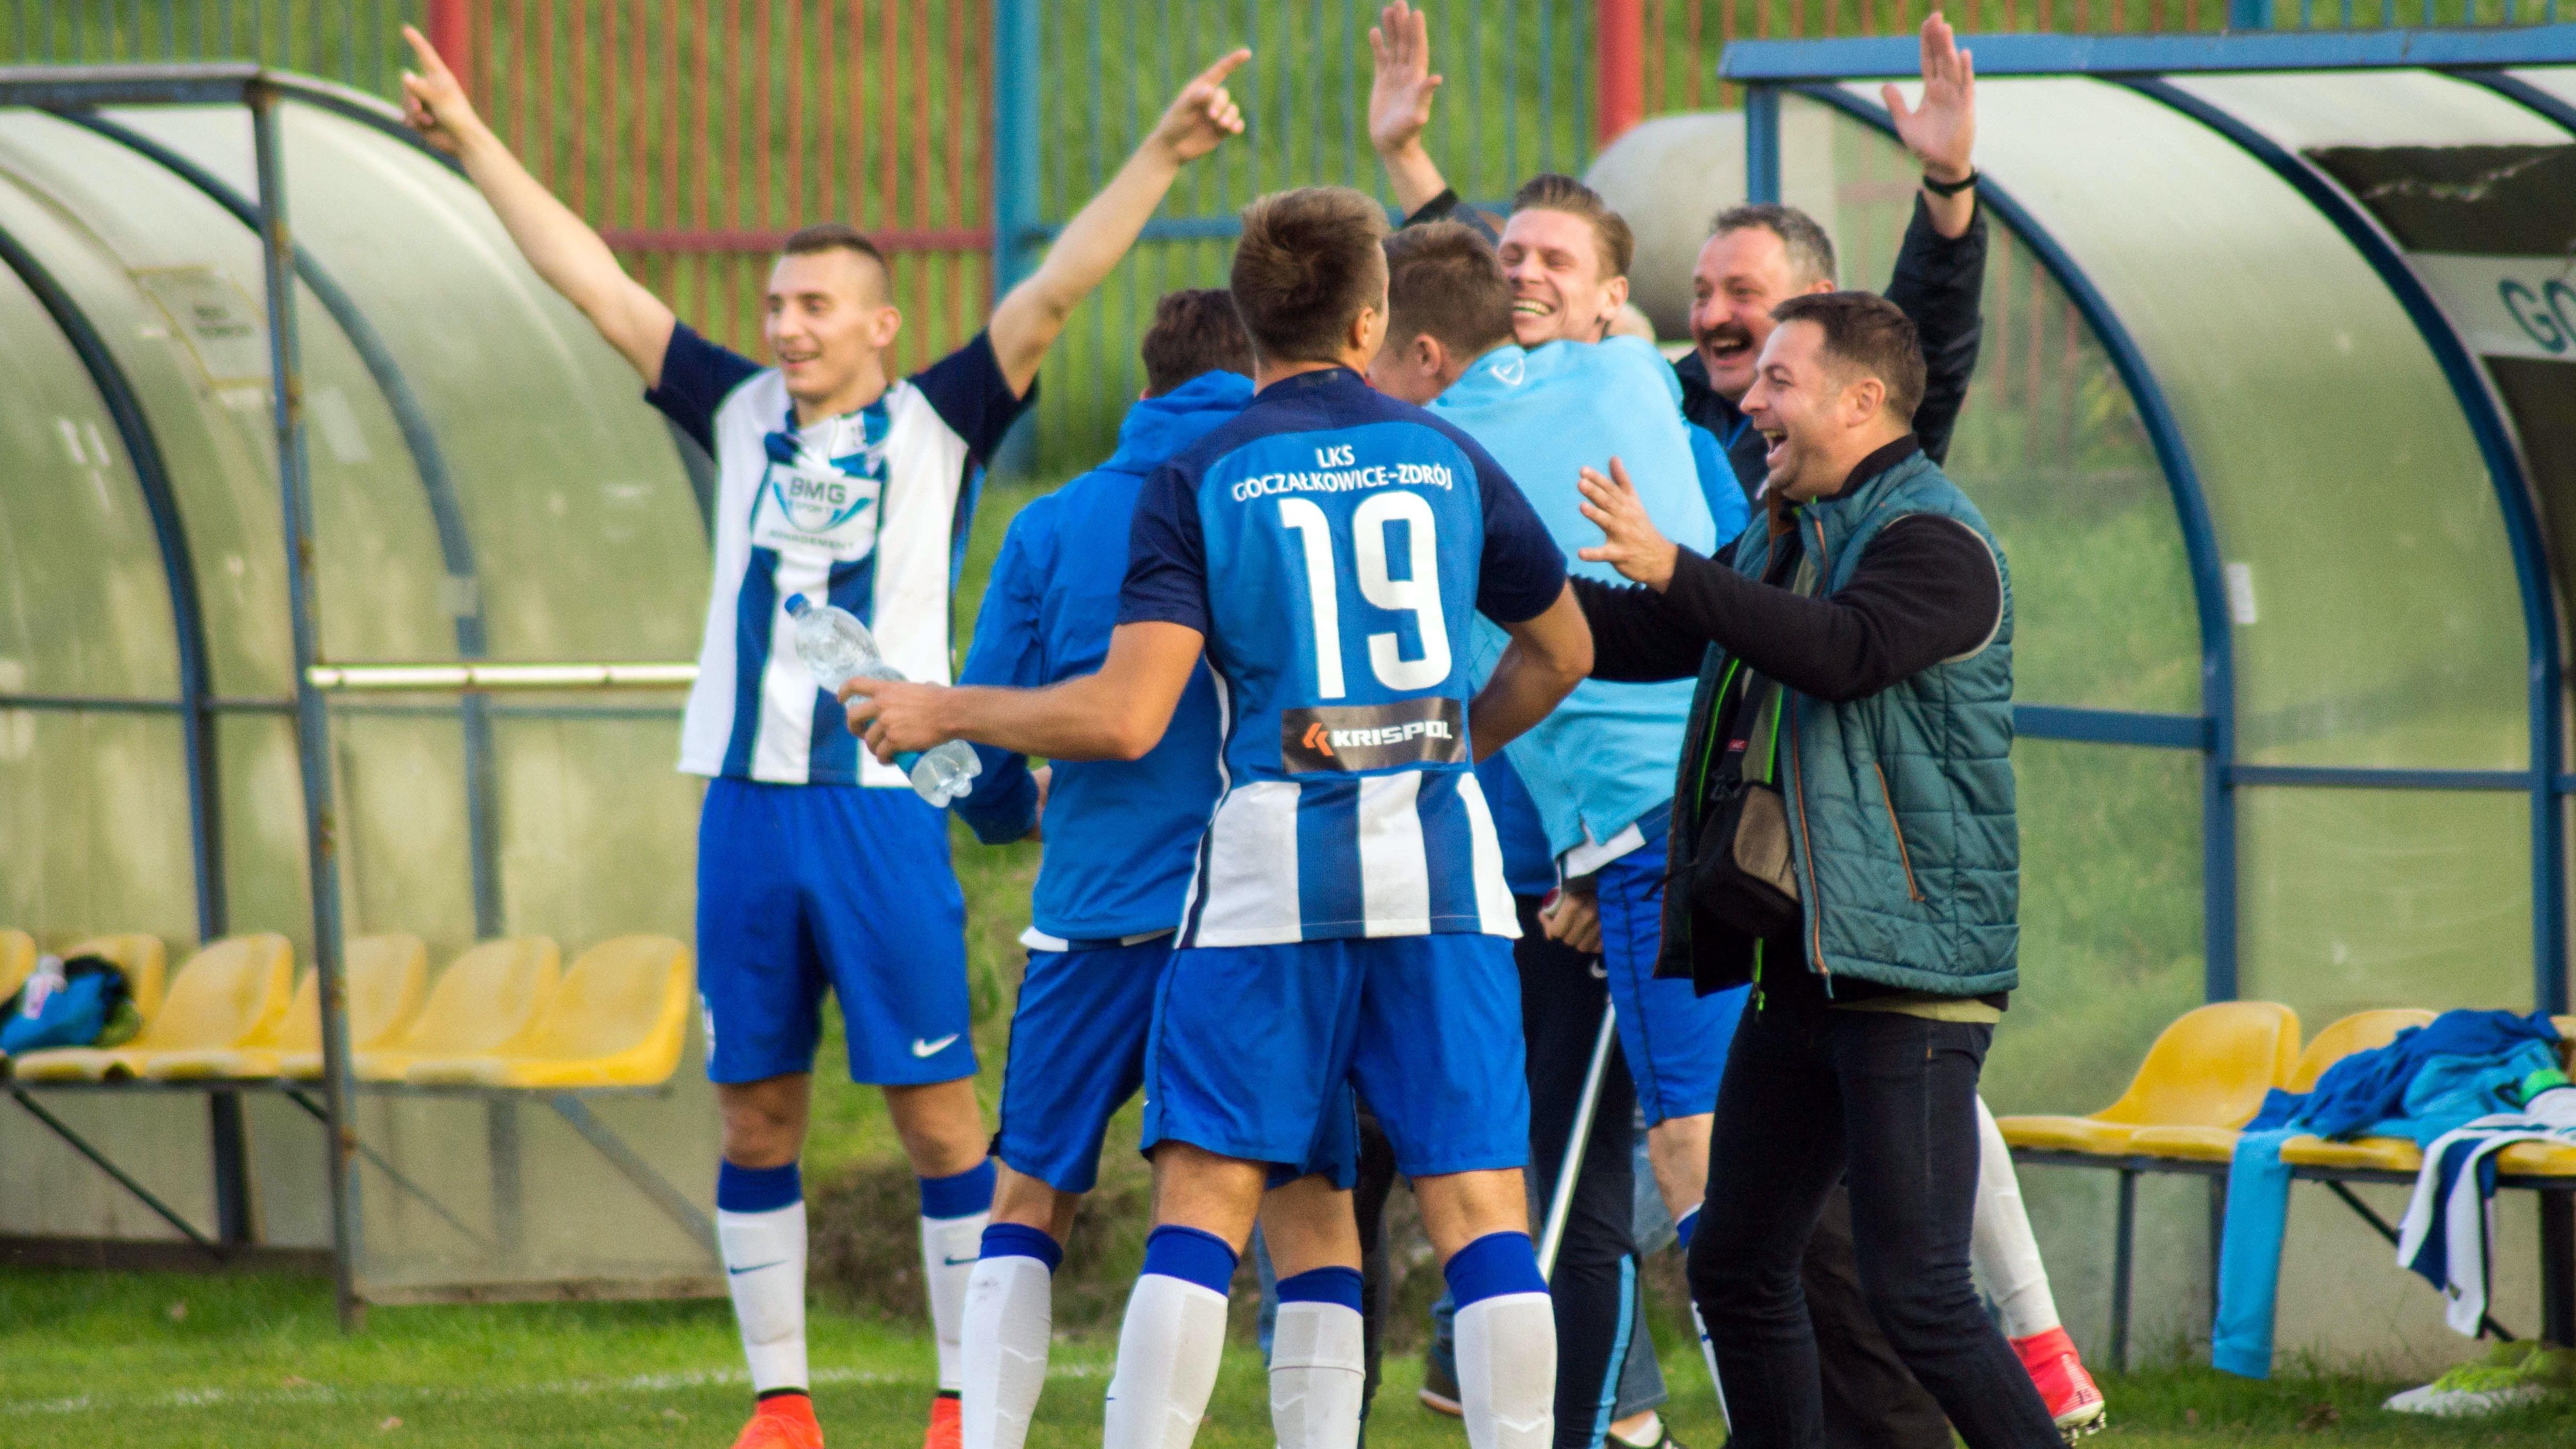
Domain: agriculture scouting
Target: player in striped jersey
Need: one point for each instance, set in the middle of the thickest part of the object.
(1119, 836)
(1349, 919)
(837, 480)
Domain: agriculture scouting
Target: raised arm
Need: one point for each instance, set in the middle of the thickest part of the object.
(1030, 318)
(1116, 714)
(1941, 130)
(559, 245)
(1400, 94)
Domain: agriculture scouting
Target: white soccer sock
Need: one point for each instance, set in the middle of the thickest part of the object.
(1507, 1371)
(2002, 1252)
(764, 1258)
(949, 1251)
(1318, 1365)
(1167, 1360)
(1007, 1324)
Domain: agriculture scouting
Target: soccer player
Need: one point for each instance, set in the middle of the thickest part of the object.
(1348, 918)
(816, 868)
(1600, 769)
(1119, 836)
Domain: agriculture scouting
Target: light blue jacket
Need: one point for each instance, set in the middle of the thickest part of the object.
(1604, 760)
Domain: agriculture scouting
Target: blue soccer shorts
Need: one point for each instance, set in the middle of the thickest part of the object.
(1254, 1045)
(803, 887)
(1077, 1054)
(1675, 1039)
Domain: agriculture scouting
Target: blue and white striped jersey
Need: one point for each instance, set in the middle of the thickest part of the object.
(1330, 543)
(868, 509)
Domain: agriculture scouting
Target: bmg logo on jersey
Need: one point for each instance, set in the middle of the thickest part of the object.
(1343, 738)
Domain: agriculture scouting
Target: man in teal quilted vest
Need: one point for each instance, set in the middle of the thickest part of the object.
(1844, 839)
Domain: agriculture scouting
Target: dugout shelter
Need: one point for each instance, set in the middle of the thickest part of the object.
(326, 526)
(2276, 418)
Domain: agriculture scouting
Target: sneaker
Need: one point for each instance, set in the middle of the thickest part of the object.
(1663, 1438)
(2072, 1399)
(782, 1421)
(947, 1430)
(1440, 1386)
(2512, 1374)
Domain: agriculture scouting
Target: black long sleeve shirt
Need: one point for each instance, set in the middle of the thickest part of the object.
(1925, 589)
(1939, 284)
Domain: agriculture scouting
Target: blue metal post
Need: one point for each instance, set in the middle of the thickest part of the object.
(312, 718)
(2249, 14)
(1762, 144)
(1017, 227)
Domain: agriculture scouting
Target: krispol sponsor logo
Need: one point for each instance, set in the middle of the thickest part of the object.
(1373, 736)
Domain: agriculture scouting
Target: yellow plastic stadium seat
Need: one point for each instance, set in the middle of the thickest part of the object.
(485, 1000)
(384, 976)
(2209, 1069)
(2387, 1154)
(2361, 1031)
(17, 961)
(2538, 1159)
(618, 1020)
(145, 960)
(230, 993)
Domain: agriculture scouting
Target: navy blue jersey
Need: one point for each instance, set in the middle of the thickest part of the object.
(1331, 543)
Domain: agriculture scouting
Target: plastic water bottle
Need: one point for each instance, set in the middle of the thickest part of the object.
(837, 648)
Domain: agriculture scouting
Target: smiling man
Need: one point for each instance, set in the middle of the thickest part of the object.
(817, 867)
(1848, 848)
(1761, 255)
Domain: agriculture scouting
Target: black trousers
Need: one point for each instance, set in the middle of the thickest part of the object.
(1812, 1094)
(1594, 1288)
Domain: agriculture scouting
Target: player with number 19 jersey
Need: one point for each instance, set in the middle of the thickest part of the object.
(1330, 543)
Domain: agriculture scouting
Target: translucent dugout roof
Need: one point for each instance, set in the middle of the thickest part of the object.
(2334, 276)
(485, 487)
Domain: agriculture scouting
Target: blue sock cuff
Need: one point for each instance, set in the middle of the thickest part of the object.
(1015, 1240)
(968, 1193)
(1683, 1230)
(757, 1189)
(1191, 1256)
(1491, 1266)
(1323, 1285)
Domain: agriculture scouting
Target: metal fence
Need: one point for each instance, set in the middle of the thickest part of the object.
(695, 133)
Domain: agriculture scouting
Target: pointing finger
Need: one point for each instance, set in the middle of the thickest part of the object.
(1225, 66)
(430, 61)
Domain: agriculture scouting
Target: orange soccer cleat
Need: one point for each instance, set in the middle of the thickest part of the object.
(947, 1431)
(782, 1421)
(2068, 1390)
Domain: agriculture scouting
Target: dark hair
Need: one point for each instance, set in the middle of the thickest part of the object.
(1811, 252)
(1868, 334)
(1442, 278)
(1307, 264)
(835, 236)
(1195, 331)
(1549, 191)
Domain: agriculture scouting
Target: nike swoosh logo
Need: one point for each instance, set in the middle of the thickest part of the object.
(922, 1048)
(754, 1268)
(955, 1262)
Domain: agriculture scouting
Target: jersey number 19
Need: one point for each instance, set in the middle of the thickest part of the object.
(1418, 594)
